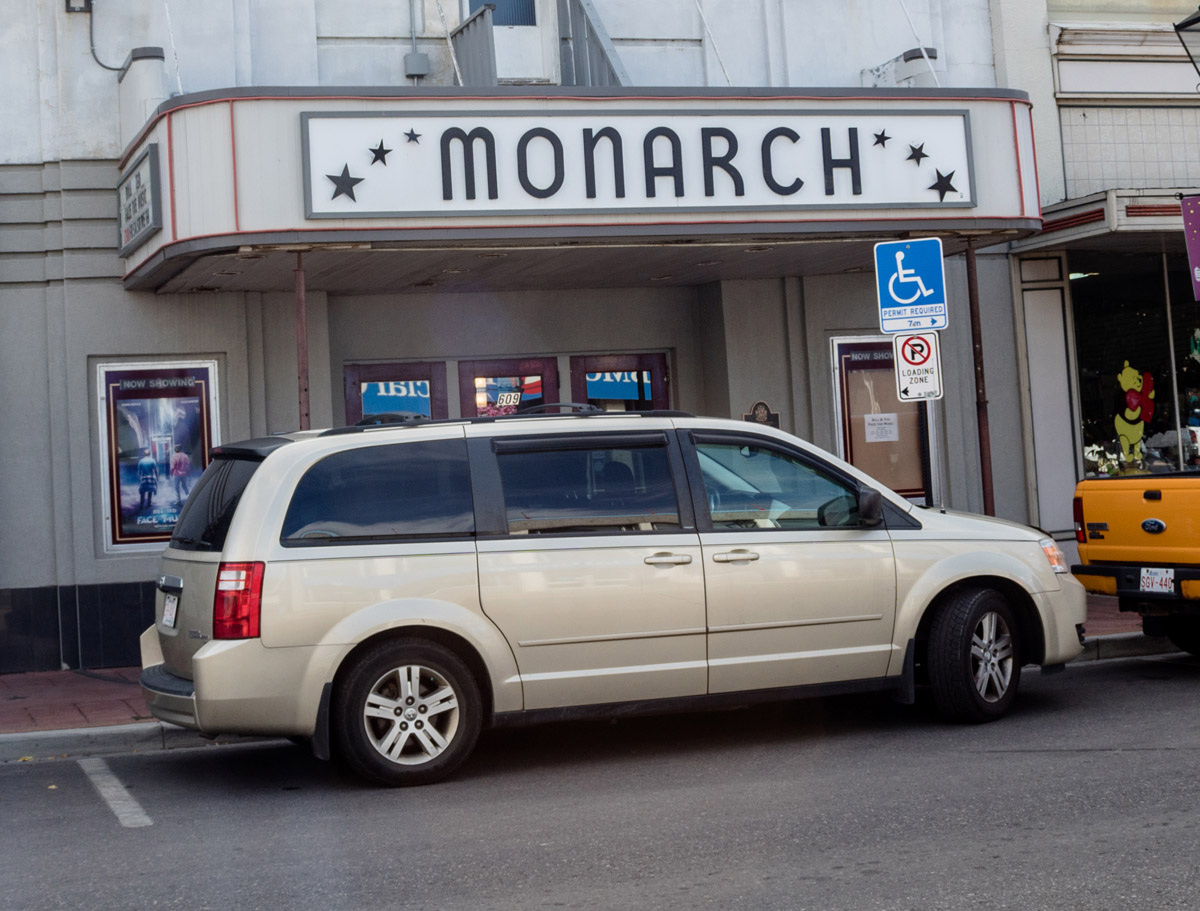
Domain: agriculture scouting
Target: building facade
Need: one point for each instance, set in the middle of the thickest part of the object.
(1107, 321)
(221, 225)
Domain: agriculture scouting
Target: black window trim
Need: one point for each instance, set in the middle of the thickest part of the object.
(360, 540)
(542, 443)
(692, 436)
(491, 517)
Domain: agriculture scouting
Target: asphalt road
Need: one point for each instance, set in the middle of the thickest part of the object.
(1086, 798)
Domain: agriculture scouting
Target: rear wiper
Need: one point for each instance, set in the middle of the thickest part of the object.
(177, 539)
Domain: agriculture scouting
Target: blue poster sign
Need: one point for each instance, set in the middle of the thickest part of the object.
(911, 285)
(396, 395)
(625, 385)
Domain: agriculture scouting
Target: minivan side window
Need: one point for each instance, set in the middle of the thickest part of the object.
(580, 491)
(756, 487)
(383, 493)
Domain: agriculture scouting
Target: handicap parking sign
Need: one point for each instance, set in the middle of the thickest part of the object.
(911, 284)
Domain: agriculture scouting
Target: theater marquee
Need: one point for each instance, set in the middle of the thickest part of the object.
(390, 164)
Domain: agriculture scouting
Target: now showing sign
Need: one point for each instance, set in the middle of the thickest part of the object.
(388, 164)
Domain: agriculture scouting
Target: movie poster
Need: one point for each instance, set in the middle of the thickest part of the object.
(158, 432)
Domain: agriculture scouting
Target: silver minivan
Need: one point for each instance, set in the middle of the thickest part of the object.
(387, 591)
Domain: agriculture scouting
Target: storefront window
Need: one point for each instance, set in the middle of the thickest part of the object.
(621, 382)
(1139, 363)
(489, 388)
(374, 390)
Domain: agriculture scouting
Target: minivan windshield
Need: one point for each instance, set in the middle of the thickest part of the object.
(209, 509)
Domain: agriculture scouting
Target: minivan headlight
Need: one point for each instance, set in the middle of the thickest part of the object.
(1058, 561)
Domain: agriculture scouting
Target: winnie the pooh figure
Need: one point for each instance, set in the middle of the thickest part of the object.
(1139, 408)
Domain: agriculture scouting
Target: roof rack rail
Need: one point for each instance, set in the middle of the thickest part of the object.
(392, 417)
(394, 420)
(576, 407)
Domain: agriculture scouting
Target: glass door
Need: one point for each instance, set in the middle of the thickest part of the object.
(505, 386)
(877, 433)
(375, 389)
(621, 382)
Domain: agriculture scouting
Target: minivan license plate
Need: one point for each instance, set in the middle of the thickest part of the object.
(1157, 579)
(170, 605)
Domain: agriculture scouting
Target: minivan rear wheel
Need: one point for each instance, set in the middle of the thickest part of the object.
(408, 712)
(974, 656)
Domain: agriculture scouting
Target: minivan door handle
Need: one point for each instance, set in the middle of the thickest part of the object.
(661, 558)
(735, 556)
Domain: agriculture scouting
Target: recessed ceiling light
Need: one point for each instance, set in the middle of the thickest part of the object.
(660, 278)
(709, 262)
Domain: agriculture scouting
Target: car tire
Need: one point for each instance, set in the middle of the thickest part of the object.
(408, 712)
(974, 656)
(1184, 633)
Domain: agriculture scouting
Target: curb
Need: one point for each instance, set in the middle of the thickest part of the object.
(77, 743)
(151, 736)
(1125, 645)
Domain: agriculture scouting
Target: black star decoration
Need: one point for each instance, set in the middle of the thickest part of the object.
(943, 185)
(380, 154)
(413, 136)
(881, 138)
(344, 183)
(916, 153)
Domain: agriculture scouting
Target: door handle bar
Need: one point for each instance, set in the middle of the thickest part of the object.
(735, 556)
(664, 558)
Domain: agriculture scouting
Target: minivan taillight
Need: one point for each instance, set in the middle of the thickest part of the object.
(1077, 510)
(237, 600)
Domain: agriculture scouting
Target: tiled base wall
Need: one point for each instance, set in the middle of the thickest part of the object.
(73, 626)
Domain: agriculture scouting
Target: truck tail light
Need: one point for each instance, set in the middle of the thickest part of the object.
(237, 601)
(1077, 510)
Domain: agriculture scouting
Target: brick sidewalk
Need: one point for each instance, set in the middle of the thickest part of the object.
(60, 700)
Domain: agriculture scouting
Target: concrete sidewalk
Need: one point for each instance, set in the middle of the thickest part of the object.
(59, 714)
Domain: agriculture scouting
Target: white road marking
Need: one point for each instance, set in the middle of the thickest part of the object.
(128, 811)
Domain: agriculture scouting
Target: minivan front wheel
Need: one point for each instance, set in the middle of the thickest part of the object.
(974, 656)
(408, 712)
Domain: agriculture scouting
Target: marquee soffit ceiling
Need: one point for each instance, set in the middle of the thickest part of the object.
(399, 268)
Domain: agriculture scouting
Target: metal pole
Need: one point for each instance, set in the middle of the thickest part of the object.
(1171, 352)
(985, 438)
(302, 341)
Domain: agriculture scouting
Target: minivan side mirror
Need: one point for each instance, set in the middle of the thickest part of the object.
(870, 506)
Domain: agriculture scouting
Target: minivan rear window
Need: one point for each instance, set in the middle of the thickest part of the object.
(209, 509)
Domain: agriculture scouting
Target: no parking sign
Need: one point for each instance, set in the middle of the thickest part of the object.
(918, 363)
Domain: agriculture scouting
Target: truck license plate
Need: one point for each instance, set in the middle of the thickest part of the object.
(171, 604)
(1156, 579)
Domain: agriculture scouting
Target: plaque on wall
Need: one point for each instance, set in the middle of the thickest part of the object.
(761, 413)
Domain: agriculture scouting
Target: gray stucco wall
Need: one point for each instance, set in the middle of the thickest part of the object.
(514, 324)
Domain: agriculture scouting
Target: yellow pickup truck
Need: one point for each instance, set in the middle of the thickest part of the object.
(1139, 539)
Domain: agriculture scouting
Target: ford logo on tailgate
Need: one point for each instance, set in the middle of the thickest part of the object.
(1154, 526)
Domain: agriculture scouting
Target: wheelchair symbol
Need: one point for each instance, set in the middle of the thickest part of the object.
(906, 277)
